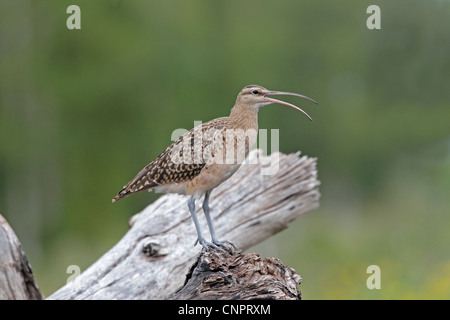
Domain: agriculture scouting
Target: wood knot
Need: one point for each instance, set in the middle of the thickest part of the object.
(151, 249)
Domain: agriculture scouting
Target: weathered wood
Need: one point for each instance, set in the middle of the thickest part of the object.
(16, 277)
(152, 259)
(222, 276)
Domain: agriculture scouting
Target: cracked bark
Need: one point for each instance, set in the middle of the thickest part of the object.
(16, 277)
(221, 276)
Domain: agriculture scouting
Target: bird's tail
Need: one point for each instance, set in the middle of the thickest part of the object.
(116, 198)
(140, 183)
(120, 195)
(127, 190)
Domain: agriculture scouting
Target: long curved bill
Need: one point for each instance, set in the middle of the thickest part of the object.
(271, 100)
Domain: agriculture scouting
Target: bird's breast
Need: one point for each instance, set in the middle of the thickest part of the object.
(221, 151)
(210, 177)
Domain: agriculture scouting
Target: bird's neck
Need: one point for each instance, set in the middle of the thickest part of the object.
(244, 117)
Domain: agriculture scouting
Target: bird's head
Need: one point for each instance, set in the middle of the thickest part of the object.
(257, 97)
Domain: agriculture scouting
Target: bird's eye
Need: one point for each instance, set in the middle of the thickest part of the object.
(255, 91)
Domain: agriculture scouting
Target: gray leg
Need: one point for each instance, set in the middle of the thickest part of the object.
(201, 240)
(207, 211)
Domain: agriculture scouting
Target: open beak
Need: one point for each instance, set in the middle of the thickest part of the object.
(271, 100)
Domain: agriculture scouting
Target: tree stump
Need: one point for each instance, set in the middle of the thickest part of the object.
(221, 276)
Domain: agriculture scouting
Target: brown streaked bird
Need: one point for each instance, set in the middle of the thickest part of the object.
(207, 155)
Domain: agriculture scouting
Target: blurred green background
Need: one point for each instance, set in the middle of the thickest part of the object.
(82, 111)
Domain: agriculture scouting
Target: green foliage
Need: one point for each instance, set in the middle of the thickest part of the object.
(82, 111)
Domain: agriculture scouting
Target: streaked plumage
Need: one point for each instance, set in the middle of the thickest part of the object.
(166, 174)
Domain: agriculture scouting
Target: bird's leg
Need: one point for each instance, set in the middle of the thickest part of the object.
(201, 240)
(206, 210)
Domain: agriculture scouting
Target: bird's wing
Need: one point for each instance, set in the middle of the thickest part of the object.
(182, 160)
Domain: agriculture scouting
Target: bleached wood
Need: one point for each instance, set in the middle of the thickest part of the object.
(153, 258)
(16, 278)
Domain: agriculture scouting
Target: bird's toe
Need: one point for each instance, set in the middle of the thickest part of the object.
(223, 244)
(207, 245)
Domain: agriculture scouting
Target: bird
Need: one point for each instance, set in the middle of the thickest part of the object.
(207, 155)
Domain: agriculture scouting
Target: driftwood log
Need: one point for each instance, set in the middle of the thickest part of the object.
(157, 259)
(16, 278)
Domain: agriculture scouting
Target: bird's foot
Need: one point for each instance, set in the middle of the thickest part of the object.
(206, 245)
(216, 244)
(222, 243)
